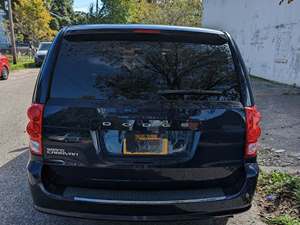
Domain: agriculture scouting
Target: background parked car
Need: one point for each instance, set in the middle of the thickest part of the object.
(4, 67)
(41, 53)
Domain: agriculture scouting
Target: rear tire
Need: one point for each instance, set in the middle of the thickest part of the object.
(4, 73)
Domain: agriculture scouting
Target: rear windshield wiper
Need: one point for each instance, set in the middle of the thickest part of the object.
(190, 92)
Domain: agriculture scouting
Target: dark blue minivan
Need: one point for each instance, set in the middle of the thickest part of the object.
(143, 123)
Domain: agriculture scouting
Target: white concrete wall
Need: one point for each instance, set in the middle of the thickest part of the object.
(268, 34)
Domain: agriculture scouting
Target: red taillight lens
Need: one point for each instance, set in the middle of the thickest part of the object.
(253, 131)
(34, 128)
(34, 112)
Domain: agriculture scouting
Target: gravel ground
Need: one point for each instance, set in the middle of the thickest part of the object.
(15, 200)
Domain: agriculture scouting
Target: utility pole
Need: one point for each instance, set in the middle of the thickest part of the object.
(97, 7)
(12, 33)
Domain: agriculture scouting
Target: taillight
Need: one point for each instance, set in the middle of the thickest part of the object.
(34, 128)
(253, 131)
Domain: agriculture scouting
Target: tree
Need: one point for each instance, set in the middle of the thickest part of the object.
(62, 13)
(80, 17)
(33, 20)
(168, 12)
(110, 11)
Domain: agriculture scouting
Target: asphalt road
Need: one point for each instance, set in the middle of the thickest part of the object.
(282, 124)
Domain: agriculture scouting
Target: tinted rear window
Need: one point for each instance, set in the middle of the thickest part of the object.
(145, 70)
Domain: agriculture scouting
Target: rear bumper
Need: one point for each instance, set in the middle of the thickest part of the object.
(156, 209)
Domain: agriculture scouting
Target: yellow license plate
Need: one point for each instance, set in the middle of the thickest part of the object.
(145, 144)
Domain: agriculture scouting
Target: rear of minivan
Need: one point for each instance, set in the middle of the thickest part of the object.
(143, 123)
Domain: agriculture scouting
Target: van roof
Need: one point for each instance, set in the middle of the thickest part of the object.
(90, 27)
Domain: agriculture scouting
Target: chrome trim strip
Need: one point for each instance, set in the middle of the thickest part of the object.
(168, 202)
(95, 135)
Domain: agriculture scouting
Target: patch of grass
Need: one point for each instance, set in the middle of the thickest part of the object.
(277, 183)
(279, 198)
(283, 220)
(23, 62)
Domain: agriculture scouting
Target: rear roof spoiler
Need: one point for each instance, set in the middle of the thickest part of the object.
(149, 32)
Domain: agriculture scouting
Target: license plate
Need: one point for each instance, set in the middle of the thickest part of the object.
(145, 144)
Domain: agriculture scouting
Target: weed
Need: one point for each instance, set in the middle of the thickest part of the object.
(283, 220)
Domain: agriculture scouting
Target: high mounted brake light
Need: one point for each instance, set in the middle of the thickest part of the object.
(146, 31)
(253, 131)
(34, 128)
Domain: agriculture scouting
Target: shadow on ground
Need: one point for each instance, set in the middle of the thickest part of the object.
(19, 150)
(16, 204)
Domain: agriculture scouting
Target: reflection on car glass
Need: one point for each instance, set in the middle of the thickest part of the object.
(125, 70)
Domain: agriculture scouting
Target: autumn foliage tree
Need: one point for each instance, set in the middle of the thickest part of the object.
(32, 20)
(168, 12)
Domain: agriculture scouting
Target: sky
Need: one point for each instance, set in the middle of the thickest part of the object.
(82, 5)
